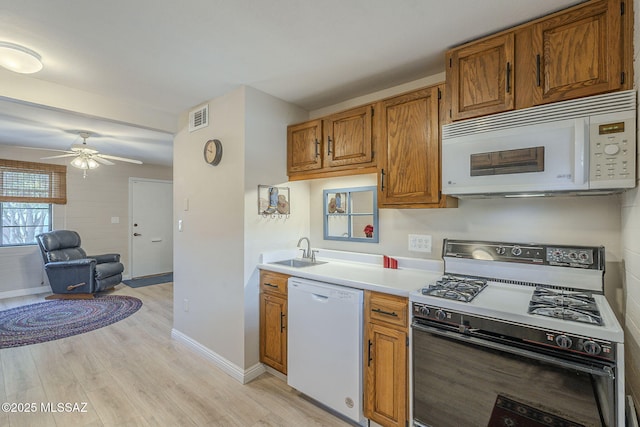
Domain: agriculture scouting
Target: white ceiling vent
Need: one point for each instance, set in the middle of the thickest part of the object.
(199, 118)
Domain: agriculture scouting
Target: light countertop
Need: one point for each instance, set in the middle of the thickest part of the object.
(360, 271)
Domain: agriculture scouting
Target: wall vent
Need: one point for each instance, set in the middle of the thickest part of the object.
(199, 118)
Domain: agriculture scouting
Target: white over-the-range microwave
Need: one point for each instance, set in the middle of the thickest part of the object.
(582, 146)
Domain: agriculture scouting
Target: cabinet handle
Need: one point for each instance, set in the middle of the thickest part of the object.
(508, 77)
(382, 180)
(270, 285)
(369, 359)
(386, 313)
(538, 69)
(328, 145)
(317, 147)
(281, 321)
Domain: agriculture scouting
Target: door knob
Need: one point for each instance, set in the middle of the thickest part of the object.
(137, 234)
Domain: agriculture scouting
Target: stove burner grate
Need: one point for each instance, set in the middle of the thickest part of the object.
(566, 305)
(456, 288)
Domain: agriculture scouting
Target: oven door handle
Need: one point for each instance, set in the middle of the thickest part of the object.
(604, 371)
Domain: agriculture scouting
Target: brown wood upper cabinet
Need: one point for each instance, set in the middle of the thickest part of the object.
(480, 77)
(339, 144)
(304, 142)
(580, 51)
(409, 142)
(348, 137)
(573, 54)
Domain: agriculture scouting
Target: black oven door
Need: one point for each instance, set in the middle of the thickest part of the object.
(466, 380)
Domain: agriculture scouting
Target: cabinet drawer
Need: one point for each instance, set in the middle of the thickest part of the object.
(273, 282)
(389, 309)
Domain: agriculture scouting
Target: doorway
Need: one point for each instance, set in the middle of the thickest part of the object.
(150, 229)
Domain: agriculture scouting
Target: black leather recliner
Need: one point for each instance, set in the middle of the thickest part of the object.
(71, 271)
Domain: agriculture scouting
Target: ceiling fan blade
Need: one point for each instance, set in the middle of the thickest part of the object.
(45, 149)
(103, 161)
(122, 159)
(58, 156)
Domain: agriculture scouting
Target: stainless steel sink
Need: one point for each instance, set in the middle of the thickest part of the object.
(298, 262)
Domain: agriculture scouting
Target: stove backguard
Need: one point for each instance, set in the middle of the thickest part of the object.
(552, 265)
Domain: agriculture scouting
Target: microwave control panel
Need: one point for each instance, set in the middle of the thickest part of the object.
(612, 152)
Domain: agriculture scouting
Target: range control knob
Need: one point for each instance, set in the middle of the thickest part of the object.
(516, 250)
(441, 314)
(556, 255)
(592, 348)
(500, 250)
(424, 310)
(563, 341)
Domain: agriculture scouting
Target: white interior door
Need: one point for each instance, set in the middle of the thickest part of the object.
(151, 227)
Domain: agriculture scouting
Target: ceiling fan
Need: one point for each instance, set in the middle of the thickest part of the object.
(87, 157)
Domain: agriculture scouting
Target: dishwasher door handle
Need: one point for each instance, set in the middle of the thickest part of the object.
(320, 298)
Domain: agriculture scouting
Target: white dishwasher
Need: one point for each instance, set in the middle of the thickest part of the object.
(325, 345)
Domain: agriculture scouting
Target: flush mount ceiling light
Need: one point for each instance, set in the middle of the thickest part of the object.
(19, 58)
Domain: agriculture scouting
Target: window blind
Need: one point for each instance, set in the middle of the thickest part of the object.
(31, 182)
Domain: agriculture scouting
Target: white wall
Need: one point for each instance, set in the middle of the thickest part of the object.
(91, 203)
(209, 252)
(266, 164)
(31, 89)
(587, 220)
(215, 256)
(631, 257)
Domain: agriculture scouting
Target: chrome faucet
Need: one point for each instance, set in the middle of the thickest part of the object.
(306, 253)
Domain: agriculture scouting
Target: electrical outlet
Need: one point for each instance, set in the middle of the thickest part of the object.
(420, 243)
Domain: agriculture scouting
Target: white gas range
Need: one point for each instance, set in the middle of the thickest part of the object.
(543, 304)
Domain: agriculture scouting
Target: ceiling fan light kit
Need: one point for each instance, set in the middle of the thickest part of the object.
(19, 59)
(83, 162)
(86, 157)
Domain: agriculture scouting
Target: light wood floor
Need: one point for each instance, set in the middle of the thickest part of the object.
(132, 373)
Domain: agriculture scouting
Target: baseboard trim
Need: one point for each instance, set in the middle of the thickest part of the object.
(243, 376)
(25, 292)
(275, 373)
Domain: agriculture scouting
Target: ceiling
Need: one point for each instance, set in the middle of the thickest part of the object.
(166, 56)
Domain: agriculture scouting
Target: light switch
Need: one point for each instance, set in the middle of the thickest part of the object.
(179, 225)
(115, 220)
(186, 203)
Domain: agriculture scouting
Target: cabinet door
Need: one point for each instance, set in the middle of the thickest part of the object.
(348, 137)
(409, 163)
(386, 376)
(273, 332)
(574, 54)
(304, 146)
(480, 77)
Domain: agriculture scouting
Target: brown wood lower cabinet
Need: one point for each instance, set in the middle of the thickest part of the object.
(273, 320)
(386, 359)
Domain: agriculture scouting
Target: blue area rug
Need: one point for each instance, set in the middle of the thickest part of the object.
(150, 280)
(55, 319)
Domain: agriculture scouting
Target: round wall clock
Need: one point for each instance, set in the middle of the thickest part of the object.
(213, 152)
